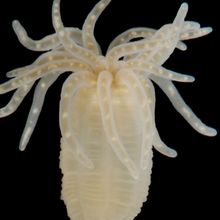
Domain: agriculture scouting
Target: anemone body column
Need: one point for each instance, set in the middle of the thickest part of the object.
(108, 189)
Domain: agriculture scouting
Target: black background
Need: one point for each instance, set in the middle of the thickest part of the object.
(184, 187)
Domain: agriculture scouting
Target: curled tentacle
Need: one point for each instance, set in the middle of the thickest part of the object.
(104, 95)
(49, 42)
(89, 41)
(79, 52)
(38, 101)
(179, 104)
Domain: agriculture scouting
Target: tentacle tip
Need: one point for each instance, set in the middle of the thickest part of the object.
(173, 153)
(207, 131)
(15, 23)
(192, 79)
(189, 79)
(170, 153)
(211, 132)
(181, 14)
(208, 30)
(22, 147)
(9, 74)
(183, 48)
(183, 9)
(184, 6)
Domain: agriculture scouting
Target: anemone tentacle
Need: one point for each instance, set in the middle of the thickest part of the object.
(89, 40)
(49, 42)
(136, 33)
(151, 68)
(107, 106)
(143, 52)
(45, 58)
(38, 101)
(170, 90)
(16, 100)
(77, 51)
(65, 65)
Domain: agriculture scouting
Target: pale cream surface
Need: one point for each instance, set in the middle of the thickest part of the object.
(107, 191)
(107, 117)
